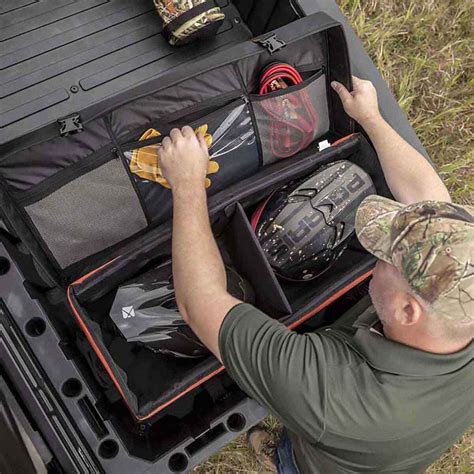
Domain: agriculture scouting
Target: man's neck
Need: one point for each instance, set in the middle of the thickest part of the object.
(426, 342)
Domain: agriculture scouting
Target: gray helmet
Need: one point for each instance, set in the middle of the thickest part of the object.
(305, 226)
(145, 311)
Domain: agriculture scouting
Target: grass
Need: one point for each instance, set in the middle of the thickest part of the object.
(424, 50)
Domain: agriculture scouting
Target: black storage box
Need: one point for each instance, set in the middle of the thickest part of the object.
(77, 205)
(90, 224)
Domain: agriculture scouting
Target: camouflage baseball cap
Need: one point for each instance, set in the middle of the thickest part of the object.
(431, 243)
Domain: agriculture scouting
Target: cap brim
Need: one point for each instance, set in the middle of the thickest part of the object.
(374, 224)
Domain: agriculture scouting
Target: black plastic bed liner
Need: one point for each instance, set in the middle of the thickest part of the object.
(60, 56)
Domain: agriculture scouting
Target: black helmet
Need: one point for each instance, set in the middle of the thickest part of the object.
(145, 311)
(305, 226)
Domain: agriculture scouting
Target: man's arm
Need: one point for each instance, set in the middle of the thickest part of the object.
(286, 372)
(410, 177)
(283, 370)
(198, 271)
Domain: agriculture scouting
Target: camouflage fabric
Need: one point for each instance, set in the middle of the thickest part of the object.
(431, 243)
(172, 9)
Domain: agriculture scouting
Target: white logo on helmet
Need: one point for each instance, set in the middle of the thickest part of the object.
(128, 312)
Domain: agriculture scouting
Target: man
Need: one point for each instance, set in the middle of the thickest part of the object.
(385, 391)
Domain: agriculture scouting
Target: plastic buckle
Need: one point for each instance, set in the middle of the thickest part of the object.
(70, 125)
(272, 43)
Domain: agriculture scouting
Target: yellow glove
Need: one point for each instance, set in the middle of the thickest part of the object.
(145, 163)
(213, 166)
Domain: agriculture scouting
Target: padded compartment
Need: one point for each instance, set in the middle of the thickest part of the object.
(289, 120)
(234, 156)
(241, 243)
(292, 303)
(149, 381)
(87, 214)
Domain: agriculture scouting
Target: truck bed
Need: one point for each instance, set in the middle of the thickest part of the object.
(60, 56)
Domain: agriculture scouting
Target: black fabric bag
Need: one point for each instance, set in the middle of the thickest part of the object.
(92, 216)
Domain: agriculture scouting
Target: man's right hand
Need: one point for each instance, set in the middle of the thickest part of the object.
(184, 159)
(361, 104)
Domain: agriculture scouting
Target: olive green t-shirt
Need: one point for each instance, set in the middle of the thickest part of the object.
(351, 399)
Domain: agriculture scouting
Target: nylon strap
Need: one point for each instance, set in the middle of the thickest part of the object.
(186, 16)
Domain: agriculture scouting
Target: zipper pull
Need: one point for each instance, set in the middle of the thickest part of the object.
(245, 99)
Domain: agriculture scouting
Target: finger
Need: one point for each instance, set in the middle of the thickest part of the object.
(187, 131)
(166, 143)
(159, 152)
(342, 92)
(358, 83)
(202, 142)
(175, 134)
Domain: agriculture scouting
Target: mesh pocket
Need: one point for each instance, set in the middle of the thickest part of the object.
(290, 120)
(87, 215)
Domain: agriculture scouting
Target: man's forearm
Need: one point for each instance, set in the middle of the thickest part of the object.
(199, 273)
(196, 259)
(410, 177)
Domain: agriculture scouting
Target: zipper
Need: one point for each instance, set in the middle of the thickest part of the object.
(258, 139)
(289, 90)
(314, 68)
(277, 177)
(118, 154)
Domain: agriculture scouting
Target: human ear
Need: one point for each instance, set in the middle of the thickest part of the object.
(412, 311)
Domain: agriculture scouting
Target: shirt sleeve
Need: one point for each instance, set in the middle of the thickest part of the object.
(284, 371)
